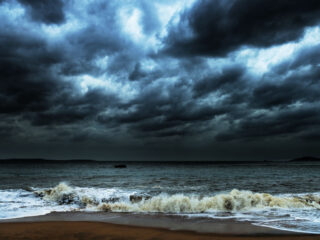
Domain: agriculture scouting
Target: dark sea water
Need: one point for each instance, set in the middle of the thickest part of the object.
(278, 195)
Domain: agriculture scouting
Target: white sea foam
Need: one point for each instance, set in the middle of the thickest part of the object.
(22, 203)
(233, 201)
(291, 212)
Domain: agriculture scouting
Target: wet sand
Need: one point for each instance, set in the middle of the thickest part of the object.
(100, 231)
(116, 226)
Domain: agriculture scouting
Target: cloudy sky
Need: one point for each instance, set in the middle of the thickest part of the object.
(160, 80)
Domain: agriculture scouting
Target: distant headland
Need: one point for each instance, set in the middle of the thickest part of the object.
(306, 159)
(90, 161)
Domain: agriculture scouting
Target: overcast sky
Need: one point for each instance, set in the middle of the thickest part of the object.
(160, 80)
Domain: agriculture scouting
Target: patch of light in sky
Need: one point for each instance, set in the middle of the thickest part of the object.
(11, 10)
(131, 24)
(124, 90)
(148, 64)
(217, 64)
(260, 60)
(170, 13)
(130, 19)
(312, 36)
(102, 62)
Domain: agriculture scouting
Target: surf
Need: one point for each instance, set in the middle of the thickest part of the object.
(232, 201)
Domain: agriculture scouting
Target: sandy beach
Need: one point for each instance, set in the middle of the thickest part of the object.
(118, 226)
(100, 231)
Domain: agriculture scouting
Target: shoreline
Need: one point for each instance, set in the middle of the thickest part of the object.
(162, 221)
(102, 225)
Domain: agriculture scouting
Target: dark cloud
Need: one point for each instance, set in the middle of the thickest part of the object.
(283, 124)
(33, 86)
(165, 110)
(224, 81)
(100, 37)
(137, 73)
(311, 136)
(46, 11)
(7, 129)
(26, 82)
(73, 109)
(297, 87)
(215, 28)
(89, 86)
(279, 106)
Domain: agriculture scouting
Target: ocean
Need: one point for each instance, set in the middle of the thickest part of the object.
(282, 195)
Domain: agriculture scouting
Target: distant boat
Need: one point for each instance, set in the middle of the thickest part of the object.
(120, 166)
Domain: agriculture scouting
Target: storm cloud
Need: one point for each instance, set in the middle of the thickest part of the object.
(159, 80)
(215, 28)
(47, 11)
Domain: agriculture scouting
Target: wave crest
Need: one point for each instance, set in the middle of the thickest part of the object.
(236, 200)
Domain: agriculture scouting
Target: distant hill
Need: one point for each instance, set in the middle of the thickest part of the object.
(87, 161)
(306, 159)
(42, 161)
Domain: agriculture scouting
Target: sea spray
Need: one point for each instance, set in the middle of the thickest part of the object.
(233, 201)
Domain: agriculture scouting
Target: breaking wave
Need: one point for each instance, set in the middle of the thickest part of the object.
(233, 201)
